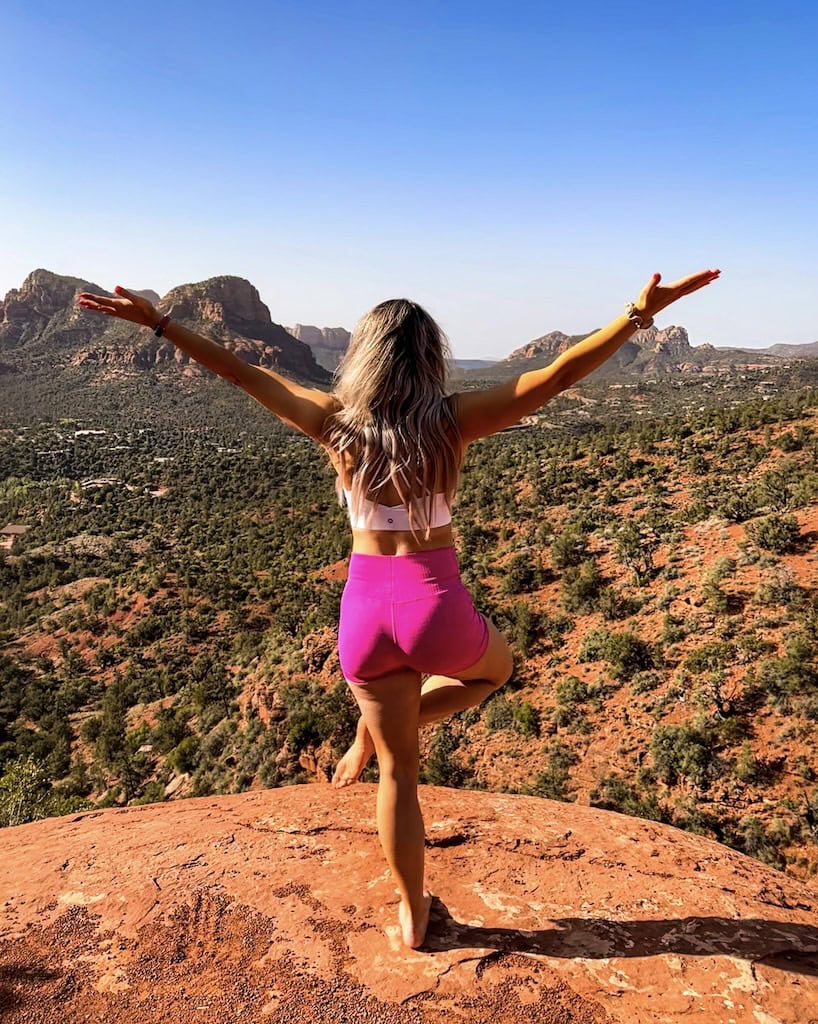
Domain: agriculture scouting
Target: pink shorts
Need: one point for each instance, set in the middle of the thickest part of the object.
(408, 611)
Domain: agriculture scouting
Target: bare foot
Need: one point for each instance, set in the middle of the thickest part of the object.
(413, 929)
(354, 761)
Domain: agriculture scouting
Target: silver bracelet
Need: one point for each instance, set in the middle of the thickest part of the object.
(638, 318)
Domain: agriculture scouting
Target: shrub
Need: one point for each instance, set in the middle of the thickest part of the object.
(581, 587)
(777, 532)
(779, 589)
(709, 657)
(185, 757)
(613, 604)
(441, 768)
(625, 653)
(499, 713)
(643, 682)
(681, 751)
(552, 783)
(613, 793)
(526, 718)
(569, 549)
(522, 575)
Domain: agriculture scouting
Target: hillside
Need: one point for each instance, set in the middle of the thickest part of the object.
(275, 906)
(168, 622)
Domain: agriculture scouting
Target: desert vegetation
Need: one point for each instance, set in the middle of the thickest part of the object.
(167, 622)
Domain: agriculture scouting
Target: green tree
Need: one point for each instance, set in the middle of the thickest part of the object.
(24, 789)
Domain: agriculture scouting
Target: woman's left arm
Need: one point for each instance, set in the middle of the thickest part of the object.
(306, 409)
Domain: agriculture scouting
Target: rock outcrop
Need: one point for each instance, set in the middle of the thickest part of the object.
(40, 314)
(276, 905)
(327, 343)
(657, 351)
(42, 319)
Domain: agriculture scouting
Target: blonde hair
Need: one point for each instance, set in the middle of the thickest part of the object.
(395, 419)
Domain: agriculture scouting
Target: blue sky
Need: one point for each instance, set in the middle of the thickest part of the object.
(516, 168)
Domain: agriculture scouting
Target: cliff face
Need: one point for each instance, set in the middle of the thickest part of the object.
(40, 314)
(327, 343)
(40, 322)
(670, 344)
(275, 905)
(664, 351)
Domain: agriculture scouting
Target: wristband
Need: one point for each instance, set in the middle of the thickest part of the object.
(163, 323)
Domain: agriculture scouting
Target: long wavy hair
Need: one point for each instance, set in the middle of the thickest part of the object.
(396, 421)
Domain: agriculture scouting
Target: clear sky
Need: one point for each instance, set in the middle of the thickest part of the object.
(515, 167)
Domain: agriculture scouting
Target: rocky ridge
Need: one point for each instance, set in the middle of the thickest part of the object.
(40, 323)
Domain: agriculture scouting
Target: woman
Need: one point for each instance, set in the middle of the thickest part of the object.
(397, 442)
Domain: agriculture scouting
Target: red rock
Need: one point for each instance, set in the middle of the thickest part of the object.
(276, 905)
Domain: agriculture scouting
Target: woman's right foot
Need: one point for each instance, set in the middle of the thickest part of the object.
(354, 761)
(413, 927)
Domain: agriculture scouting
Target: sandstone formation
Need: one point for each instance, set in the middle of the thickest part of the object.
(42, 322)
(276, 905)
(328, 344)
(656, 351)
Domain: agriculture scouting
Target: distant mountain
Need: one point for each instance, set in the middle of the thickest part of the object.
(40, 323)
(655, 351)
(474, 364)
(328, 344)
(798, 351)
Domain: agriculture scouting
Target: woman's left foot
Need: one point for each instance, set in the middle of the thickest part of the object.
(353, 762)
(413, 926)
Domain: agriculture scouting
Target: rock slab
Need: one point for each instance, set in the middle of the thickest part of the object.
(277, 906)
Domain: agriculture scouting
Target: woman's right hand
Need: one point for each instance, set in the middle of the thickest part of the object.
(654, 298)
(129, 307)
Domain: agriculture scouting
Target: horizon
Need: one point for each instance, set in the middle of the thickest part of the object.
(515, 172)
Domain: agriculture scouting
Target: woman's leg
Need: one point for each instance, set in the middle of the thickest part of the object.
(441, 696)
(389, 706)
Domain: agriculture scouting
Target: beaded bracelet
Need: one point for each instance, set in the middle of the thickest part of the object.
(638, 318)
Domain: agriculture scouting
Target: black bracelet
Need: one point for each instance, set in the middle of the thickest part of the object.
(163, 323)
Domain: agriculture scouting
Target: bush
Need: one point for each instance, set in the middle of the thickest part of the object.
(552, 783)
(522, 575)
(779, 589)
(499, 713)
(185, 757)
(569, 549)
(441, 768)
(516, 714)
(709, 657)
(681, 751)
(778, 532)
(24, 790)
(612, 793)
(625, 653)
(581, 587)
(613, 604)
(644, 682)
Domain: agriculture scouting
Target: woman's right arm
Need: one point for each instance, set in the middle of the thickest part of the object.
(484, 412)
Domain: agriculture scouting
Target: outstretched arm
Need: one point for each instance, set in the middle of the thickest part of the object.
(484, 412)
(306, 409)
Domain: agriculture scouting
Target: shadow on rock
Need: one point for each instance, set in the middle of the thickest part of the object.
(789, 946)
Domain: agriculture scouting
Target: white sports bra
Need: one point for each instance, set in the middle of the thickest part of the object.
(395, 517)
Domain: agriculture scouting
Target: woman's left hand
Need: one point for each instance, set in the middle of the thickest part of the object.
(655, 297)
